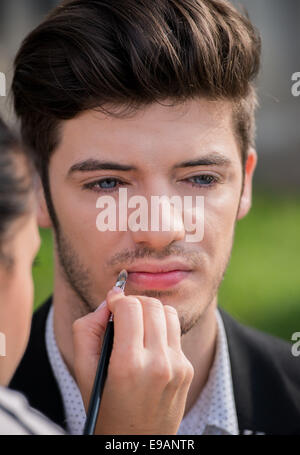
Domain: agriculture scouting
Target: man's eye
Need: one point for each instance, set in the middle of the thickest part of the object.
(203, 180)
(105, 185)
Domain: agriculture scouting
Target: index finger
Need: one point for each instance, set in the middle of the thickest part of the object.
(128, 322)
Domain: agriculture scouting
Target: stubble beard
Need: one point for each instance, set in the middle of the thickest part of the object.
(77, 276)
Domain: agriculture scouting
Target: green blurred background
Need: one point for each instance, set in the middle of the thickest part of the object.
(261, 286)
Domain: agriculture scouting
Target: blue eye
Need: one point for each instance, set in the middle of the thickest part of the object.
(108, 184)
(203, 180)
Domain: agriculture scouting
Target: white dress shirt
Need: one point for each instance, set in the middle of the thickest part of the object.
(213, 413)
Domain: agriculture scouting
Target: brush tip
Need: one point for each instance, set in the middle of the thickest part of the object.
(122, 278)
(123, 275)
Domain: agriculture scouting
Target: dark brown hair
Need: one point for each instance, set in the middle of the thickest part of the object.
(117, 55)
(16, 185)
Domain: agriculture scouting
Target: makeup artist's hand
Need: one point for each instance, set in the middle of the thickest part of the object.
(148, 375)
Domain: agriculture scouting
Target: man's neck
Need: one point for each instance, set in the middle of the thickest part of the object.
(66, 310)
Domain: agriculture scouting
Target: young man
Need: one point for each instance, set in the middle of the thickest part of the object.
(155, 97)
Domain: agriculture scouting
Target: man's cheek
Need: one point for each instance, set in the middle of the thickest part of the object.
(218, 230)
(72, 207)
(216, 222)
(98, 248)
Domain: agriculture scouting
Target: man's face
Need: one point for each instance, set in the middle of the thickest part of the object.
(156, 141)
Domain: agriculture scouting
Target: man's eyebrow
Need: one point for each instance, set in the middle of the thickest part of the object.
(212, 159)
(96, 165)
(89, 165)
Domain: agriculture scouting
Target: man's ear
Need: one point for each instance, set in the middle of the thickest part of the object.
(43, 217)
(246, 197)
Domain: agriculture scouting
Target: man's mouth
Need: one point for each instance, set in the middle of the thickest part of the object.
(158, 276)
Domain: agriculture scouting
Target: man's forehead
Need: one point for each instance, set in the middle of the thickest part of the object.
(188, 112)
(158, 132)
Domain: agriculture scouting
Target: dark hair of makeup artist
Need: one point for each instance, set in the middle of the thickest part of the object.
(16, 184)
(118, 55)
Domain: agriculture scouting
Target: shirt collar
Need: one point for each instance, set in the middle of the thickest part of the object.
(213, 413)
(73, 404)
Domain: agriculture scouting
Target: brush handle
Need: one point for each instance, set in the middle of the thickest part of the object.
(100, 378)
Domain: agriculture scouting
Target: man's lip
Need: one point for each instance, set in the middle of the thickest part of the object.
(158, 268)
(159, 280)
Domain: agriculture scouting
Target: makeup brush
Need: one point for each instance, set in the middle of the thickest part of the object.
(101, 373)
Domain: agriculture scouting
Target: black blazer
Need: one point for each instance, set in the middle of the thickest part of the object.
(265, 374)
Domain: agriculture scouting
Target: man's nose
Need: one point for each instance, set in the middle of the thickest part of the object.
(165, 225)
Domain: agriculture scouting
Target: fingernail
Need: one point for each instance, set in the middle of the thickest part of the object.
(114, 290)
(117, 289)
(103, 304)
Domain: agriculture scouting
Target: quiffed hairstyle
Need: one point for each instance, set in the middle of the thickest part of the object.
(118, 55)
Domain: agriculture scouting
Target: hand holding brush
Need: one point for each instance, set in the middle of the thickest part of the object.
(148, 376)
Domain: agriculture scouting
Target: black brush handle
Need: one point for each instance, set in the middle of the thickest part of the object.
(100, 378)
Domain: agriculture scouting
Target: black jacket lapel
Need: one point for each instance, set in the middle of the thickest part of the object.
(266, 380)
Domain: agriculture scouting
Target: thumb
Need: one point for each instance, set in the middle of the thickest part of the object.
(88, 333)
